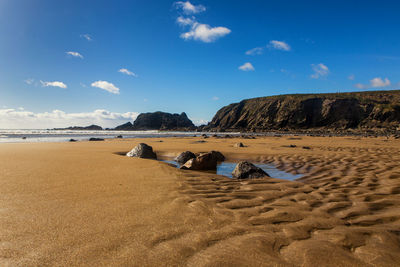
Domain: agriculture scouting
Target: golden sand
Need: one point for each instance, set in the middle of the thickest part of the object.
(83, 204)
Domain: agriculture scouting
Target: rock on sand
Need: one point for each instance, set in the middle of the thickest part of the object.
(142, 151)
(245, 169)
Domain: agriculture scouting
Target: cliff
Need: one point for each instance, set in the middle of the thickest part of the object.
(361, 110)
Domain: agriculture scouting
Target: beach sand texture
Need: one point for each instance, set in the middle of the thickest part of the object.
(83, 204)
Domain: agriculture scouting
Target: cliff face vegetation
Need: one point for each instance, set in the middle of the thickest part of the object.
(361, 110)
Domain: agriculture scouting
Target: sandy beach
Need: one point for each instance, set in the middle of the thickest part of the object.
(84, 204)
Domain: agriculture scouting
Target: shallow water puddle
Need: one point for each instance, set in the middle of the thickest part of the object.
(226, 169)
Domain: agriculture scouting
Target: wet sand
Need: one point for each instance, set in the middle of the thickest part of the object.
(83, 204)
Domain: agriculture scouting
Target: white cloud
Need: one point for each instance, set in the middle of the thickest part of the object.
(189, 8)
(247, 67)
(351, 77)
(86, 36)
(378, 82)
(374, 83)
(279, 45)
(74, 54)
(320, 70)
(20, 118)
(215, 98)
(54, 84)
(198, 31)
(185, 21)
(360, 86)
(205, 33)
(127, 72)
(255, 51)
(109, 87)
(29, 81)
(199, 122)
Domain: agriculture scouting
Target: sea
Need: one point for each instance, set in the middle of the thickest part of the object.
(40, 135)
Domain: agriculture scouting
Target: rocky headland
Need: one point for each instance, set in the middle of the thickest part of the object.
(361, 111)
(159, 121)
(92, 127)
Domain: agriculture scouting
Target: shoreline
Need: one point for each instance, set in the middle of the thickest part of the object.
(33, 136)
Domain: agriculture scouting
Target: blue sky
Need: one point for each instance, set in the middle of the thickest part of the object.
(75, 62)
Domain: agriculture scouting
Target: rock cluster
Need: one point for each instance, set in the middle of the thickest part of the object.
(184, 157)
(203, 161)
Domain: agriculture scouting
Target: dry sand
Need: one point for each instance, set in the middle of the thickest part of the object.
(82, 204)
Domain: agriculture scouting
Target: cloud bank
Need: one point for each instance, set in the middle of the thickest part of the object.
(107, 86)
(22, 119)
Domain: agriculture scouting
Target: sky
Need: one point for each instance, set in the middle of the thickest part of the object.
(70, 62)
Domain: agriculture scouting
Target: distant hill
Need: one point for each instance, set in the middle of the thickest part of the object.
(361, 110)
(159, 121)
(80, 128)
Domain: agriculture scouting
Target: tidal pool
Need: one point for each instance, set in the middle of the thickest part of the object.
(226, 169)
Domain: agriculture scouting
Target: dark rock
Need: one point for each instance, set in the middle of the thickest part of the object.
(82, 128)
(125, 127)
(119, 136)
(142, 151)
(162, 121)
(184, 157)
(218, 156)
(96, 139)
(306, 147)
(205, 161)
(24, 137)
(72, 140)
(246, 170)
(239, 145)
